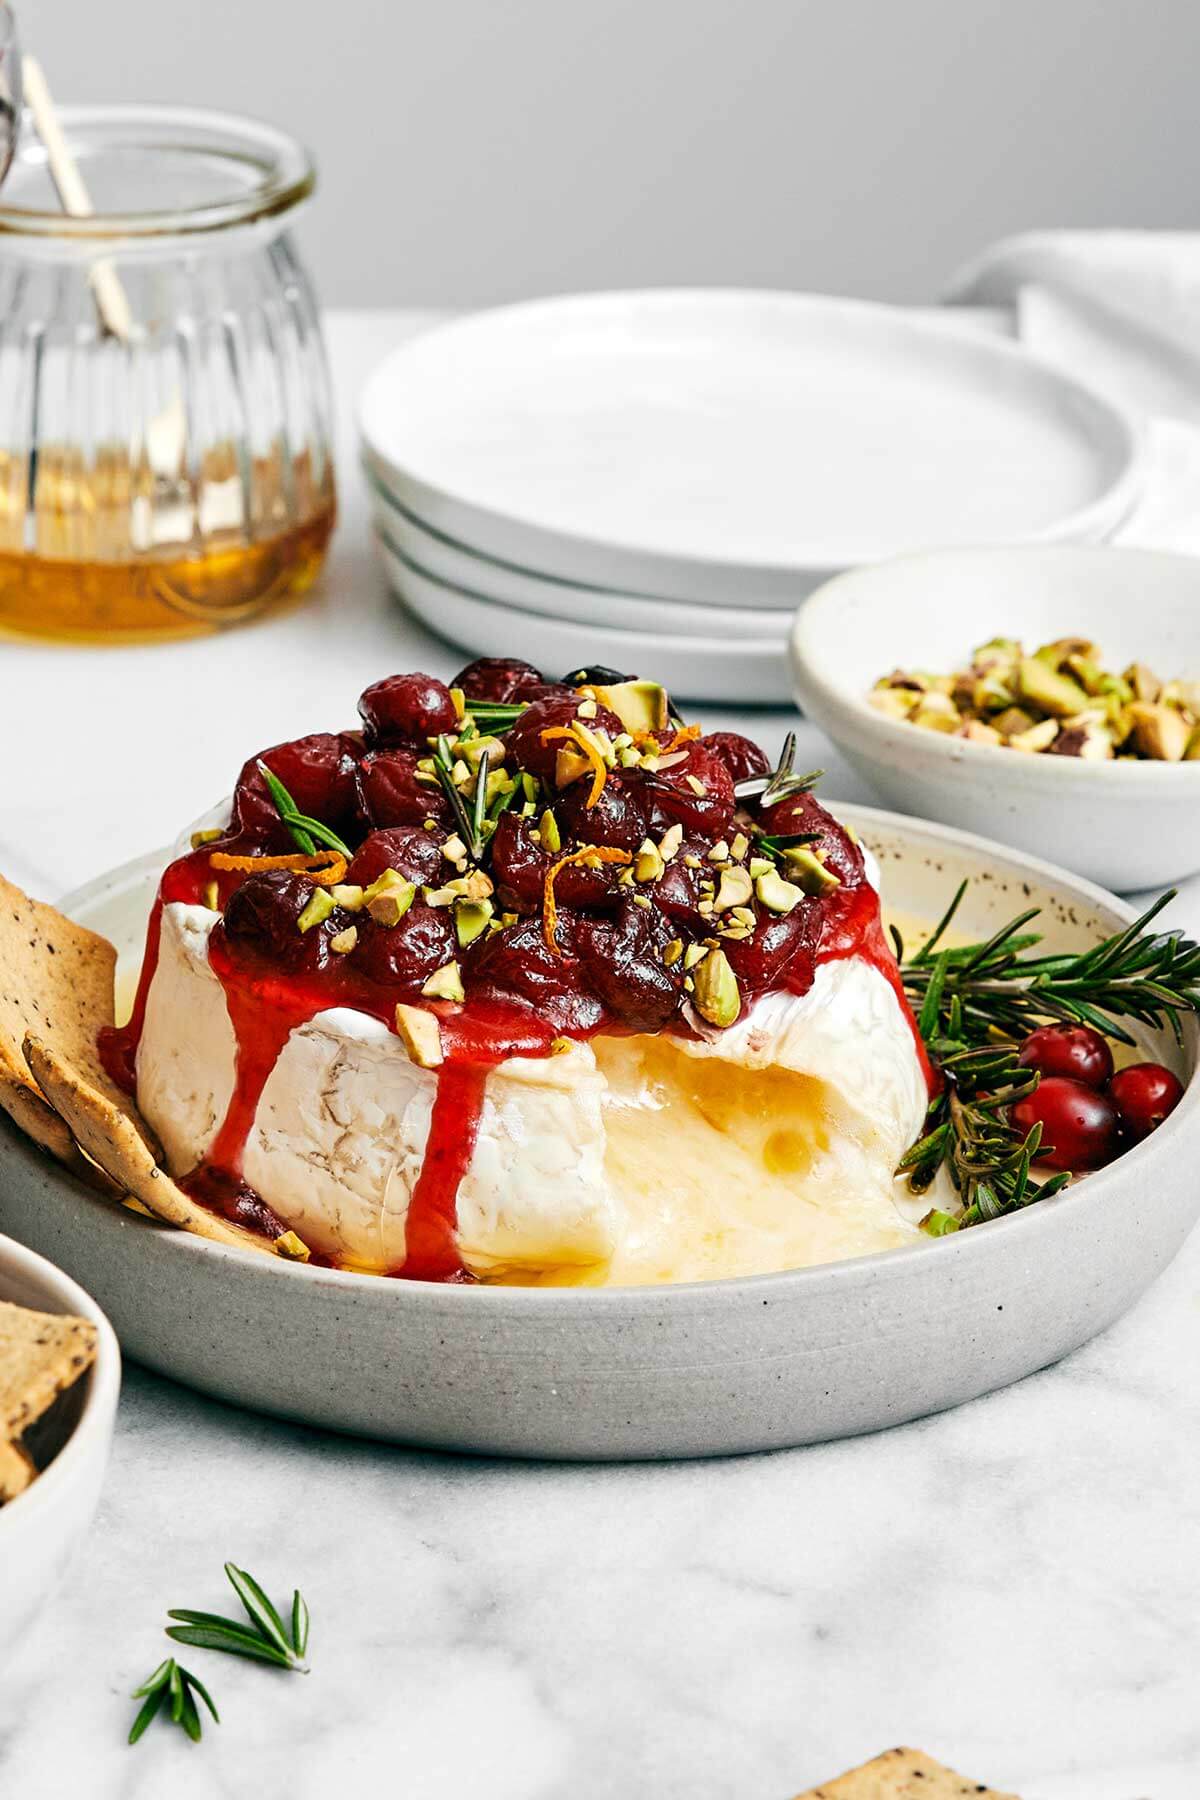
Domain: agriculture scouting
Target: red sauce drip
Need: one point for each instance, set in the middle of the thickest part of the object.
(266, 1005)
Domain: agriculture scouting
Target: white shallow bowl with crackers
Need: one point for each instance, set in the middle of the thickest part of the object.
(710, 1367)
(60, 1374)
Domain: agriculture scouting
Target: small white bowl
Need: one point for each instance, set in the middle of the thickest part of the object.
(41, 1528)
(1129, 825)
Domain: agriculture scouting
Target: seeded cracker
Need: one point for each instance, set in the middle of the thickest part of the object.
(56, 981)
(903, 1775)
(40, 1355)
(16, 1471)
(106, 1133)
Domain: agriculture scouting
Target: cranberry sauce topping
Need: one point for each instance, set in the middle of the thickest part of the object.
(527, 861)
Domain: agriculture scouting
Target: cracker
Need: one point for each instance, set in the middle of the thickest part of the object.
(16, 1471)
(56, 981)
(40, 1355)
(903, 1775)
(109, 1136)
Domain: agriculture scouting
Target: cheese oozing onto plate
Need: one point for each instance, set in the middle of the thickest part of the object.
(623, 1160)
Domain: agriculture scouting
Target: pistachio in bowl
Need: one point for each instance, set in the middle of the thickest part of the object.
(1106, 779)
(1061, 700)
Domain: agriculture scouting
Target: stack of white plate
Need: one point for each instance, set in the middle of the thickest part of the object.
(655, 481)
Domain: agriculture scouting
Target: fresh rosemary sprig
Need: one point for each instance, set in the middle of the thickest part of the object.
(968, 1130)
(495, 716)
(774, 845)
(974, 1004)
(782, 783)
(178, 1685)
(979, 992)
(470, 823)
(268, 1641)
(306, 833)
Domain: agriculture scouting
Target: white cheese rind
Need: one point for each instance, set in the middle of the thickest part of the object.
(340, 1133)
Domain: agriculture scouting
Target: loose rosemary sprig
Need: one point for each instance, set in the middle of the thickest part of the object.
(976, 1002)
(979, 992)
(267, 1641)
(170, 1682)
(306, 833)
(469, 822)
(495, 715)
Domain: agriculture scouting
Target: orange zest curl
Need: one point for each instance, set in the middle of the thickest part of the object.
(325, 867)
(605, 853)
(687, 734)
(587, 750)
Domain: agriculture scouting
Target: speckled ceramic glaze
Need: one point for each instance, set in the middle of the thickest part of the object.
(711, 1368)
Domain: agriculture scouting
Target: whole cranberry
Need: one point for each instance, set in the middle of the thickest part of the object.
(517, 964)
(262, 918)
(677, 890)
(741, 755)
(696, 793)
(524, 741)
(1143, 1094)
(502, 679)
(804, 814)
(617, 818)
(406, 709)
(622, 959)
(520, 865)
(319, 774)
(779, 946)
(404, 956)
(1073, 1050)
(410, 850)
(391, 794)
(1080, 1128)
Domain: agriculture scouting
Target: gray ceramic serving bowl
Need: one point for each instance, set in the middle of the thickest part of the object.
(709, 1368)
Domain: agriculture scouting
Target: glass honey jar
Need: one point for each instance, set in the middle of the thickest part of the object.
(165, 459)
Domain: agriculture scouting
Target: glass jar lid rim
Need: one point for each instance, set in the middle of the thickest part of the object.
(285, 172)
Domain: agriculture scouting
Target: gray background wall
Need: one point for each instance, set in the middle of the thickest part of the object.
(476, 150)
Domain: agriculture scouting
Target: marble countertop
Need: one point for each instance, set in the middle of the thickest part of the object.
(1014, 1586)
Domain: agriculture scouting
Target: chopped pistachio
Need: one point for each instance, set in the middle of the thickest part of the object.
(760, 865)
(454, 850)
(348, 895)
(672, 952)
(288, 1244)
(735, 889)
(739, 847)
(471, 918)
(212, 896)
(445, 984)
(1086, 737)
(1160, 732)
(320, 904)
(1144, 682)
(1012, 720)
(569, 766)
(715, 991)
(648, 863)
(200, 838)
(669, 842)
(976, 732)
(776, 894)
(719, 852)
(937, 718)
(387, 904)
(998, 652)
(561, 1046)
(1057, 654)
(345, 941)
(549, 834)
(460, 773)
(460, 702)
(1048, 690)
(895, 703)
(587, 709)
(695, 953)
(808, 871)
(421, 1034)
(989, 694)
(642, 900)
(1038, 737)
(691, 862)
(640, 705)
(626, 878)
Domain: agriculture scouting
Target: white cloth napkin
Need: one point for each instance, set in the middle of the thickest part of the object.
(1120, 310)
